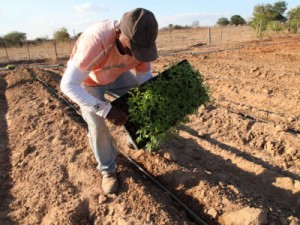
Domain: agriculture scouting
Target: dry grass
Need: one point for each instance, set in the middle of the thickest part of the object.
(185, 38)
(41, 51)
(167, 41)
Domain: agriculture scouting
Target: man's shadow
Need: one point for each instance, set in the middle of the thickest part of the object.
(213, 169)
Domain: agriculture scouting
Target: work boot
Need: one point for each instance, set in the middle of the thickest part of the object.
(110, 183)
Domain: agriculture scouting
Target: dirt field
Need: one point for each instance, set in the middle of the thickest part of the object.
(236, 162)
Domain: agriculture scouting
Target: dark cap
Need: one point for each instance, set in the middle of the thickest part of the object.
(141, 27)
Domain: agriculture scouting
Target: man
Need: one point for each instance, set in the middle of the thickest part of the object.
(102, 60)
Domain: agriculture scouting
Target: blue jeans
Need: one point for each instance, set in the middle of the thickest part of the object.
(98, 133)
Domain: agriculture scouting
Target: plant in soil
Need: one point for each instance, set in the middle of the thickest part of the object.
(156, 107)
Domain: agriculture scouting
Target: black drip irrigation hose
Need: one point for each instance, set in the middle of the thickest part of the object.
(196, 218)
(247, 116)
(261, 110)
(187, 209)
(294, 131)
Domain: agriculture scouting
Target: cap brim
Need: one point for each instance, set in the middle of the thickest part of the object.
(144, 54)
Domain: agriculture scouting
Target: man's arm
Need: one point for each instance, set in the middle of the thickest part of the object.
(71, 86)
(143, 77)
(143, 72)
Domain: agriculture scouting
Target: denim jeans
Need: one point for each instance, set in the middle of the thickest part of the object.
(98, 133)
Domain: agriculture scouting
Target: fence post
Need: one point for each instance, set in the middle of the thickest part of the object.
(4, 46)
(221, 35)
(209, 36)
(54, 44)
(260, 34)
(28, 50)
(170, 29)
(70, 47)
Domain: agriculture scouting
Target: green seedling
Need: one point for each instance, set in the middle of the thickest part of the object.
(156, 107)
(10, 67)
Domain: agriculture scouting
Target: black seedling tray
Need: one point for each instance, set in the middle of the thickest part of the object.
(121, 103)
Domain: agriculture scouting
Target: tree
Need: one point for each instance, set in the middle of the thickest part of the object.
(61, 35)
(41, 39)
(223, 21)
(271, 12)
(177, 27)
(14, 38)
(263, 15)
(237, 20)
(294, 19)
(279, 9)
(294, 14)
(2, 44)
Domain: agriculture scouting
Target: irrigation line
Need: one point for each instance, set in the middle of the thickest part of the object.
(253, 107)
(56, 66)
(191, 213)
(290, 130)
(186, 208)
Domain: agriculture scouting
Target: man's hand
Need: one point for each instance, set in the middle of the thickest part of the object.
(116, 116)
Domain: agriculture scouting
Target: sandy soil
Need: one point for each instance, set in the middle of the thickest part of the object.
(235, 162)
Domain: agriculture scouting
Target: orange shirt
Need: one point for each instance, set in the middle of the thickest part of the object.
(96, 51)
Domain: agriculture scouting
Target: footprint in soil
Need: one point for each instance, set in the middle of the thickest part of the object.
(81, 214)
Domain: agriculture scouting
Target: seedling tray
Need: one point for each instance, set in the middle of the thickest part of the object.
(122, 102)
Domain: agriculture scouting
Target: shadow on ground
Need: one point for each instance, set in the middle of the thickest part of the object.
(5, 165)
(259, 188)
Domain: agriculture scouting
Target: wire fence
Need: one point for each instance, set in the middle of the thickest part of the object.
(168, 41)
(176, 40)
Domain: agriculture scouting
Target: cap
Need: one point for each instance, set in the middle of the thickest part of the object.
(141, 27)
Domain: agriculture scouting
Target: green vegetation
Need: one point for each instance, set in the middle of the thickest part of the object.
(14, 38)
(294, 19)
(61, 35)
(223, 21)
(176, 27)
(10, 67)
(156, 107)
(41, 39)
(234, 20)
(266, 15)
(237, 20)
